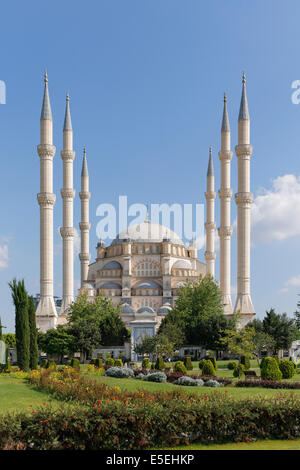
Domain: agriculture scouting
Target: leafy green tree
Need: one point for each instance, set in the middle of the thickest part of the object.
(262, 342)
(146, 345)
(9, 339)
(173, 333)
(240, 342)
(33, 362)
(281, 328)
(57, 341)
(199, 314)
(20, 299)
(87, 335)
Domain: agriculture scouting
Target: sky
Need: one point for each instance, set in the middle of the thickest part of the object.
(146, 82)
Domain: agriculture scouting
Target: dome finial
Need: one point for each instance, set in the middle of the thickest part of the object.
(244, 78)
(68, 121)
(225, 120)
(225, 97)
(45, 76)
(210, 169)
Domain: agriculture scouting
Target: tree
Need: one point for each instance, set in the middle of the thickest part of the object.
(173, 333)
(240, 342)
(199, 314)
(57, 341)
(262, 342)
(281, 328)
(87, 335)
(20, 299)
(10, 340)
(33, 362)
(146, 345)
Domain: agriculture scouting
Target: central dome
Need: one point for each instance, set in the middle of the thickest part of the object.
(147, 232)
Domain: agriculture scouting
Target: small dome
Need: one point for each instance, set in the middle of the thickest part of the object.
(164, 309)
(149, 284)
(126, 308)
(145, 309)
(182, 264)
(112, 265)
(110, 285)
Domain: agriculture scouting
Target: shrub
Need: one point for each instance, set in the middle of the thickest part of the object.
(75, 363)
(99, 355)
(133, 365)
(180, 367)
(140, 376)
(120, 372)
(146, 363)
(92, 361)
(188, 381)
(231, 365)
(208, 368)
(245, 361)
(153, 365)
(268, 384)
(99, 362)
(44, 363)
(110, 362)
(201, 363)
(212, 359)
(287, 368)
(212, 383)
(270, 369)
(160, 365)
(156, 377)
(174, 376)
(188, 363)
(238, 370)
(118, 363)
(50, 364)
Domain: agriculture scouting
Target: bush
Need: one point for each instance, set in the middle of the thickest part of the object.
(180, 367)
(118, 363)
(246, 362)
(140, 376)
(146, 363)
(153, 366)
(75, 363)
(120, 372)
(110, 362)
(188, 363)
(133, 365)
(208, 368)
(99, 362)
(231, 365)
(188, 381)
(287, 368)
(160, 365)
(212, 359)
(201, 363)
(238, 370)
(156, 377)
(270, 369)
(44, 363)
(212, 383)
(50, 364)
(268, 384)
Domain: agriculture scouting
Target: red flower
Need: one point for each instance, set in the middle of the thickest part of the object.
(44, 404)
(45, 421)
(116, 438)
(171, 408)
(107, 421)
(32, 412)
(99, 401)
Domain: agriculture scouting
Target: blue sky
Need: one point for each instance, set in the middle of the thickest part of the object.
(146, 81)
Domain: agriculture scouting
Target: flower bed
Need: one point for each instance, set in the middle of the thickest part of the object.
(268, 384)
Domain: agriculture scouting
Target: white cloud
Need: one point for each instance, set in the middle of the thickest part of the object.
(292, 282)
(3, 256)
(276, 211)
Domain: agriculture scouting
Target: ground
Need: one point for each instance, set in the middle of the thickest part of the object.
(17, 395)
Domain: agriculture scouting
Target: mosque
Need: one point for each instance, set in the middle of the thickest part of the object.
(145, 265)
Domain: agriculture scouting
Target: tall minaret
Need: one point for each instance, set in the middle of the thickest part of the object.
(67, 194)
(225, 230)
(46, 312)
(243, 199)
(84, 225)
(210, 225)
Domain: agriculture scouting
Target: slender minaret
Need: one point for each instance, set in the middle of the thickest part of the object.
(84, 225)
(243, 199)
(67, 194)
(225, 230)
(46, 312)
(210, 225)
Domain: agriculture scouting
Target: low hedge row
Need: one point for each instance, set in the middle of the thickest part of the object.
(268, 384)
(118, 425)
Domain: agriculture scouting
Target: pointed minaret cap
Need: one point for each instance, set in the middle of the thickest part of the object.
(84, 171)
(46, 108)
(68, 122)
(210, 169)
(244, 112)
(225, 120)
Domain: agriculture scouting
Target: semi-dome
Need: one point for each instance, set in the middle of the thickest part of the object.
(126, 308)
(182, 264)
(145, 309)
(112, 265)
(110, 285)
(147, 231)
(148, 284)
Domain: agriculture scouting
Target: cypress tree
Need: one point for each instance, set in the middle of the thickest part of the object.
(33, 362)
(20, 299)
(0, 329)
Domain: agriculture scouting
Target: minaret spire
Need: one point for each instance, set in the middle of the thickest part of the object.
(210, 225)
(84, 225)
(67, 194)
(46, 314)
(243, 199)
(225, 229)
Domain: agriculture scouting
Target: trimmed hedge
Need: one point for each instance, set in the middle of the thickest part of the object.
(118, 363)
(268, 384)
(146, 363)
(120, 372)
(75, 363)
(246, 362)
(287, 368)
(231, 365)
(188, 363)
(208, 368)
(180, 367)
(160, 365)
(270, 369)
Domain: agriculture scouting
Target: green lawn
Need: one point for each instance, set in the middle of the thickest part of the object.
(17, 395)
(259, 445)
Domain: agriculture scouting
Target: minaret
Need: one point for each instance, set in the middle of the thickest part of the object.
(243, 199)
(67, 194)
(225, 230)
(84, 225)
(210, 225)
(46, 314)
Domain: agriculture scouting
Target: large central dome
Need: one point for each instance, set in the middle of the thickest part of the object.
(147, 231)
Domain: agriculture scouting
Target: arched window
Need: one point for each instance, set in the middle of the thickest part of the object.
(146, 269)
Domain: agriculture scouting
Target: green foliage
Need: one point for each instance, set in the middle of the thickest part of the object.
(201, 363)
(50, 364)
(160, 365)
(180, 367)
(282, 329)
(240, 342)
(173, 332)
(287, 368)
(57, 341)
(146, 363)
(20, 299)
(44, 364)
(133, 364)
(231, 365)
(98, 362)
(118, 363)
(199, 314)
(188, 363)
(110, 361)
(238, 370)
(208, 368)
(9, 339)
(245, 361)
(213, 361)
(75, 363)
(270, 369)
(33, 362)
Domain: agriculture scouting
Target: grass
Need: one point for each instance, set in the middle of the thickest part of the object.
(17, 395)
(259, 445)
